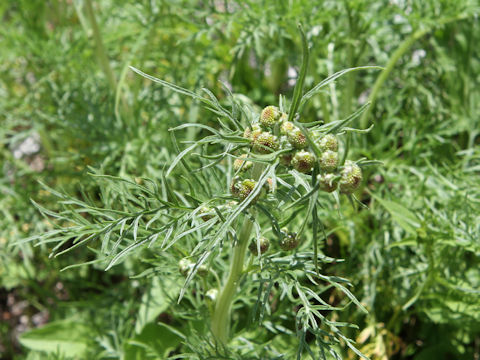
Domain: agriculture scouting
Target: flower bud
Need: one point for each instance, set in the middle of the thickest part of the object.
(269, 116)
(244, 188)
(242, 164)
(184, 266)
(303, 161)
(297, 139)
(206, 213)
(253, 132)
(268, 185)
(235, 186)
(264, 245)
(327, 182)
(351, 177)
(286, 127)
(328, 142)
(328, 161)
(289, 242)
(211, 295)
(265, 143)
(286, 159)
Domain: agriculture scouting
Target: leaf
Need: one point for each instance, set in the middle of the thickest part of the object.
(69, 337)
(407, 220)
(154, 342)
(156, 300)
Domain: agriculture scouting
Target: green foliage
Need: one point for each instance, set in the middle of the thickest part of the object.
(88, 141)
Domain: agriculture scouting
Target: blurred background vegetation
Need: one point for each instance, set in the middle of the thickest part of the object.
(69, 102)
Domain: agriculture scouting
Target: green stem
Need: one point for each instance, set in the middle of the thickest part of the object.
(101, 52)
(396, 56)
(221, 314)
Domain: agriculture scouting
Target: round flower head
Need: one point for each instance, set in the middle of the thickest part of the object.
(240, 163)
(327, 182)
(328, 142)
(286, 127)
(286, 159)
(264, 245)
(265, 143)
(206, 213)
(269, 116)
(328, 161)
(297, 139)
(211, 295)
(253, 132)
(269, 185)
(184, 266)
(351, 177)
(245, 188)
(235, 186)
(289, 242)
(303, 161)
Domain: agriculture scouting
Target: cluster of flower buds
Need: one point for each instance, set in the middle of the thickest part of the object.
(264, 244)
(274, 132)
(288, 241)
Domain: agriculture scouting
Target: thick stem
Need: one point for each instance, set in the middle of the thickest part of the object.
(221, 315)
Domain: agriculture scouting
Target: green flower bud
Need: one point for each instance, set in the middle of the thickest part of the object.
(328, 142)
(269, 116)
(286, 159)
(211, 295)
(351, 177)
(328, 161)
(327, 182)
(206, 213)
(265, 143)
(268, 185)
(243, 189)
(253, 132)
(264, 245)
(235, 186)
(303, 161)
(184, 266)
(289, 242)
(242, 164)
(297, 139)
(286, 127)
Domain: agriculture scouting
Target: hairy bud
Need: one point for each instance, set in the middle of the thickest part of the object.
(241, 189)
(206, 213)
(265, 143)
(269, 116)
(242, 164)
(297, 139)
(264, 245)
(303, 161)
(327, 182)
(286, 127)
(185, 266)
(351, 177)
(211, 295)
(328, 161)
(253, 132)
(328, 142)
(290, 241)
